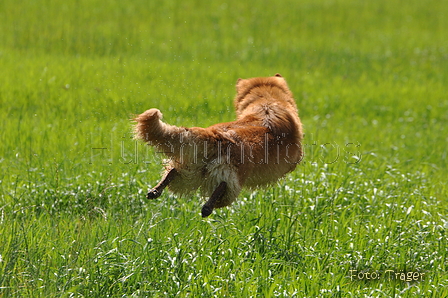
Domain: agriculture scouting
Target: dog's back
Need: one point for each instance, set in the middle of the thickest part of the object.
(275, 146)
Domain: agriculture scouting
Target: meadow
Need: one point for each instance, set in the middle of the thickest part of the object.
(364, 215)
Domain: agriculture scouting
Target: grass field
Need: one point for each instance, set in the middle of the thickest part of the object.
(367, 207)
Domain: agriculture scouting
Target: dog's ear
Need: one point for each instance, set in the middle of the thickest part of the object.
(239, 80)
(278, 75)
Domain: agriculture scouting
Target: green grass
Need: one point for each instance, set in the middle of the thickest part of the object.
(370, 81)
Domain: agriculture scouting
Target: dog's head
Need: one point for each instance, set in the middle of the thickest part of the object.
(250, 90)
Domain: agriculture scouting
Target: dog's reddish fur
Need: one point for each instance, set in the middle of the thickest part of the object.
(258, 148)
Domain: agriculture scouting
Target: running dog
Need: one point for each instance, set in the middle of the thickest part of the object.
(258, 148)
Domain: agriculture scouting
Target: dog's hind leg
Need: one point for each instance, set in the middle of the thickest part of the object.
(217, 194)
(155, 192)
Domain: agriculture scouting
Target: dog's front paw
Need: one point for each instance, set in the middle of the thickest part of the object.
(153, 194)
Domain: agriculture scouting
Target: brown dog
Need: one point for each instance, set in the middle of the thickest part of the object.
(257, 149)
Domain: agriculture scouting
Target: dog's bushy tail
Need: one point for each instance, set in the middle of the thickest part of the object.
(152, 130)
(148, 127)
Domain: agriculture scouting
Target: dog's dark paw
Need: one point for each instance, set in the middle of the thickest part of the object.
(206, 210)
(153, 194)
